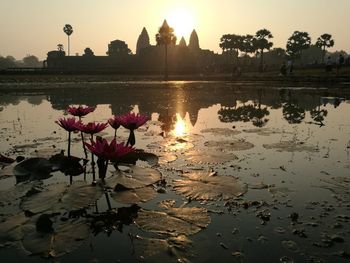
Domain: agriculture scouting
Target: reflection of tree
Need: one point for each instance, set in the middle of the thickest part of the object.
(293, 113)
(318, 115)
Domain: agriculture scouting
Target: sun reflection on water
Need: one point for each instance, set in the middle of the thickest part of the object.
(180, 127)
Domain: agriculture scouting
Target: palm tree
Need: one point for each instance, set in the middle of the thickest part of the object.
(323, 42)
(60, 47)
(165, 36)
(68, 29)
(297, 43)
(262, 42)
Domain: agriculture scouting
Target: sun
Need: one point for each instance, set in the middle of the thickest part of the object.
(182, 20)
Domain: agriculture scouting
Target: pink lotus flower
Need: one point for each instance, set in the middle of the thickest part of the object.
(92, 127)
(106, 151)
(80, 111)
(133, 121)
(115, 122)
(69, 124)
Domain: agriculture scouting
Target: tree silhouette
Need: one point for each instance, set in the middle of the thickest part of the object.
(88, 52)
(165, 36)
(60, 47)
(68, 29)
(247, 44)
(231, 42)
(323, 42)
(261, 43)
(297, 43)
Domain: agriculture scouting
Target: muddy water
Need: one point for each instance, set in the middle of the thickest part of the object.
(292, 147)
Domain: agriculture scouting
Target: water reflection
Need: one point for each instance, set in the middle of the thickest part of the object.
(180, 128)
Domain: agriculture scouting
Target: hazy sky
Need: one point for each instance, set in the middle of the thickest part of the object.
(35, 26)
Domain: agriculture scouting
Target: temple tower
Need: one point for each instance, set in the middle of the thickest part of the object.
(194, 42)
(142, 41)
(182, 42)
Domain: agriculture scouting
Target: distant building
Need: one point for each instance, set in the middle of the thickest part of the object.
(149, 59)
(142, 41)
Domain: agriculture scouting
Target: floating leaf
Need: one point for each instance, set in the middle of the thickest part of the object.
(44, 201)
(80, 195)
(165, 158)
(238, 145)
(174, 221)
(201, 186)
(7, 171)
(32, 169)
(265, 131)
(171, 145)
(221, 131)
(11, 229)
(173, 249)
(212, 157)
(67, 165)
(19, 190)
(290, 146)
(135, 177)
(66, 238)
(6, 160)
(134, 196)
(132, 157)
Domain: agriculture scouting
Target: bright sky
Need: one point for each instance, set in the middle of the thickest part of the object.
(36, 26)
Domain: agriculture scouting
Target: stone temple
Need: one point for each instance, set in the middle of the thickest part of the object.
(149, 59)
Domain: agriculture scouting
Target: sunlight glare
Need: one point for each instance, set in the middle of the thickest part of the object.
(181, 19)
(180, 127)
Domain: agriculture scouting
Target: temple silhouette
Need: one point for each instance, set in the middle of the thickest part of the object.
(149, 59)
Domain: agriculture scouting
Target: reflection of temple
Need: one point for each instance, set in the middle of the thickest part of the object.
(168, 99)
(182, 58)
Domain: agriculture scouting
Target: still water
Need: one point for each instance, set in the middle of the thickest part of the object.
(289, 148)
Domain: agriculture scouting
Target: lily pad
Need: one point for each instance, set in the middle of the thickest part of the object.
(134, 196)
(80, 195)
(171, 145)
(132, 157)
(65, 238)
(174, 221)
(14, 193)
(11, 229)
(238, 145)
(165, 158)
(45, 200)
(60, 196)
(67, 165)
(211, 157)
(32, 169)
(173, 249)
(290, 146)
(201, 186)
(135, 177)
(221, 131)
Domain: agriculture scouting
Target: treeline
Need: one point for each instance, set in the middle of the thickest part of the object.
(29, 61)
(299, 47)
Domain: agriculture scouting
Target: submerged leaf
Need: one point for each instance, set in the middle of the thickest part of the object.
(201, 186)
(290, 146)
(67, 165)
(174, 221)
(11, 229)
(134, 196)
(165, 158)
(19, 190)
(212, 157)
(135, 177)
(238, 145)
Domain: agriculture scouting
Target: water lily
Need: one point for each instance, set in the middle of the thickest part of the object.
(80, 111)
(132, 121)
(107, 152)
(70, 125)
(92, 128)
(115, 123)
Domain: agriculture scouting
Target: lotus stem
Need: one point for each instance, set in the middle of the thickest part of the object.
(115, 134)
(69, 136)
(93, 163)
(131, 139)
(82, 140)
(108, 201)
